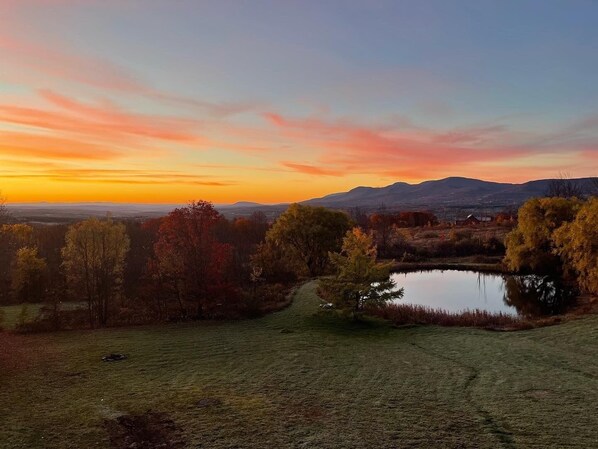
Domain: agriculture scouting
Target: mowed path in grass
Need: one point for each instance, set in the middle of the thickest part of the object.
(298, 379)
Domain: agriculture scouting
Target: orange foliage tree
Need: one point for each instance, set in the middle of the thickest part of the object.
(190, 264)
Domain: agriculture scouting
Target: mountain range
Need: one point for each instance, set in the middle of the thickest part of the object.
(447, 197)
(447, 192)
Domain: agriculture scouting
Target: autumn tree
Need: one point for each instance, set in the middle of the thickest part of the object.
(12, 237)
(577, 244)
(359, 216)
(18, 234)
(275, 264)
(143, 236)
(244, 234)
(29, 275)
(305, 235)
(4, 216)
(359, 280)
(191, 265)
(531, 246)
(382, 226)
(49, 240)
(94, 259)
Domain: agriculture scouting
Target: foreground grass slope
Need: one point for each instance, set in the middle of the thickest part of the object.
(301, 380)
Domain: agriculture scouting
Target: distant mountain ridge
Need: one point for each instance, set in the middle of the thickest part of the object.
(447, 192)
(448, 197)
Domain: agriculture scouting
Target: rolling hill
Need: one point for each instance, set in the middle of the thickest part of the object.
(448, 192)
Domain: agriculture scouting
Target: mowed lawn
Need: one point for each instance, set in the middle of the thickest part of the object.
(11, 314)
(298, 379)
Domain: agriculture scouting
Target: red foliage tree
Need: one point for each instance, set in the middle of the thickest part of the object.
(191, 264)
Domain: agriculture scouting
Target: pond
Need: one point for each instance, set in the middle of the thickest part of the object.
(457, 291)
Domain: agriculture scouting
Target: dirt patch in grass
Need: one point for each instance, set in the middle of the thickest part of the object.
(15, 353)
(537, 394)
(305, 411)
(151, 430)
(208, 402)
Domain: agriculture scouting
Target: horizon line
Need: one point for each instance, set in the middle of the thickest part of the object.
(179, 204)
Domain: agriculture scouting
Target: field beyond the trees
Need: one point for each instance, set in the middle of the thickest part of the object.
(301, 379)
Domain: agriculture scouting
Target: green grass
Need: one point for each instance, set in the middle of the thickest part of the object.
(296, 379)
(11, 314)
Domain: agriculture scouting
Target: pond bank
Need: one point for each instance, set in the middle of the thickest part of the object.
(493, 265)
(433, 308)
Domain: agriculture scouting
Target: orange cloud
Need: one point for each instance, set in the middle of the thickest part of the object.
(116, 176)
(48, 147)
(312, 169)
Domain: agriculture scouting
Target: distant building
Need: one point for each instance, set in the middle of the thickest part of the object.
(473, 220)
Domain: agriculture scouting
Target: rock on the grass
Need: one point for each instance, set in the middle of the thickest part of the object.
(114, 357)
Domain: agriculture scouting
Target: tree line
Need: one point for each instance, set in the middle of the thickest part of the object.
(196, 264)
(191, 264)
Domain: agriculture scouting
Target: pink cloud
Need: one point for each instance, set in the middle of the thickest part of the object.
(101, 122)
(473, 135)
(63, 65)
(346, 147)
(312, 169)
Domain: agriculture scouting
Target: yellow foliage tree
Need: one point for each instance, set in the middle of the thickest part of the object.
(305, 235)
(94, 261)
(577, 244)
(29, 275)
(531, 244)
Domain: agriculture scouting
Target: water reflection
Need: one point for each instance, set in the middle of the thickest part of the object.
(534, 295)
(456, 291)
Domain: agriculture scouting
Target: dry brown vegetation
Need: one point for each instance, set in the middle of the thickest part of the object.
(447, 240)
(405, 314)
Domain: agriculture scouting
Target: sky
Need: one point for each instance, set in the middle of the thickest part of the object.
(273, 101)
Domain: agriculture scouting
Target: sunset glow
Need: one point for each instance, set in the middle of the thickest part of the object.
(145, 101)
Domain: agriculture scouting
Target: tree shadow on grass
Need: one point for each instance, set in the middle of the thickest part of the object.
(334, 323)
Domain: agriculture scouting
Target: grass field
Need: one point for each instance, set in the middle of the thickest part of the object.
(296, 379)
(11, 314)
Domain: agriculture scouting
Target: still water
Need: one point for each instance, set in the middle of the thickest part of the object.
(456, 291)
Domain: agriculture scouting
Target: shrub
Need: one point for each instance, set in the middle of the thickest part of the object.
(458, 235)
(264, 299)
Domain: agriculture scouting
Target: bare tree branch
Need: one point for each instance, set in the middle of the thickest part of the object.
(565, 187)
